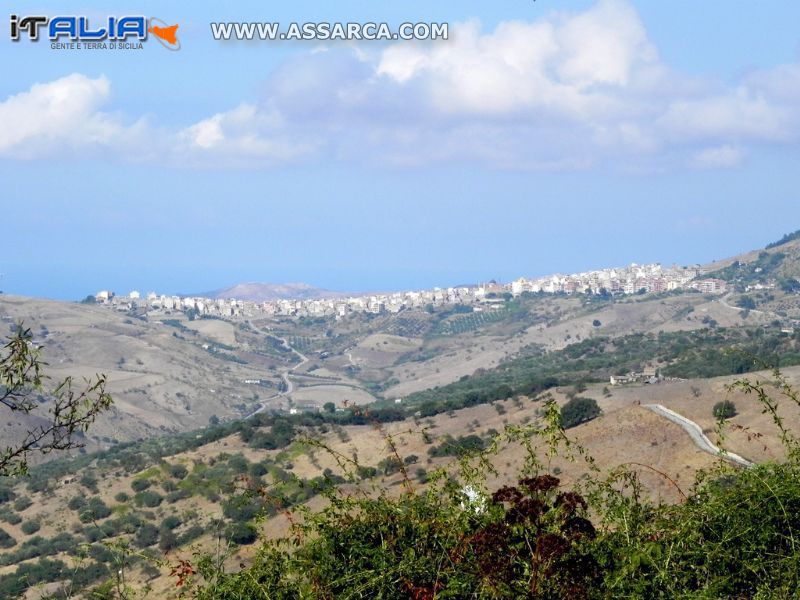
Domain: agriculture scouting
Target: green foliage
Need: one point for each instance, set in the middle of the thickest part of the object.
(10, 517)
(735, 535)
(167, 540)
(89, 481)
(6, 494)
(22, 390)
(789, 237)
(177, 471)
(578, 410)
(762, 269)
(243, 507)
(76, 503)
(148, 498)
(746, 302)
(170, 522)
(241, 533)
(455, 325)
(469, 444)
(146, 536)
(43, 570)
(140, 484)
(38, 546)
(790, 285)
(724, 409)
(94, 510)
(22, 503)
(6, 541)
(30, 527)
(685, 354)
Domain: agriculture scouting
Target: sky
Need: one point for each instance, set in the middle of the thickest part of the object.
(542, 137)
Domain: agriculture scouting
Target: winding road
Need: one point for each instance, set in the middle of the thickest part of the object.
(724, 301)
(285, 375)
(696, 433)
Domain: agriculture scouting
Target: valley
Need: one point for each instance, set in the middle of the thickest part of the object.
(221, 428)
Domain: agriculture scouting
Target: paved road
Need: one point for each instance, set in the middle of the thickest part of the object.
(285, 375)
(303, 360)
(724, 301)
(697, 435)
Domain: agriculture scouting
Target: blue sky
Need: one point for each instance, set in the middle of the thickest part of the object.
(542, 137)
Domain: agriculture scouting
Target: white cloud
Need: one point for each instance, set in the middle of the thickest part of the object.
(564, 92)
(245, 134)
(570, 65)
(722, 157)
(741, 114)
(65, 113)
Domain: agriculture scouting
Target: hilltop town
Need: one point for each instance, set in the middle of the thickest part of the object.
(649, 278)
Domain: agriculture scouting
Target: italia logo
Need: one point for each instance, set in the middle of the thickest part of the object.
(76, 29)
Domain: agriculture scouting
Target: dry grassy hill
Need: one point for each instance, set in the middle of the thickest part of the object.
(626, 434)
(161, 377)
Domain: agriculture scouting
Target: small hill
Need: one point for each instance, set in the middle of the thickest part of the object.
(780, 258)
(263, 292)
(166, 374)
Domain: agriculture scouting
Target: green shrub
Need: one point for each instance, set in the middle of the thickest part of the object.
(146, 536)
(578, 410)
(139, 485)
(733, 537)
(6, 541)
(178, 471)
(89, 481)
(122, 497)
(258, 470)
(462, 445)
(30, 527)
(6, 494)
(22, 503)
(76, 503)
(94, 510)
(148, 498)
(179, 494)
(243, 507)
(241, 533)
(724, 410)
(10, 517)
(167, 540)
(170, 522)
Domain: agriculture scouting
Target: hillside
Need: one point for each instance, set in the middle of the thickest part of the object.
(168, 373)
(177, 495)
(164, 376)
(222, 425)
(765, 280)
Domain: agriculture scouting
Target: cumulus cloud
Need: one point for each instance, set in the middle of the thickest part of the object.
(567, 91)
(65, 113)
(245, 134)
(567, 64)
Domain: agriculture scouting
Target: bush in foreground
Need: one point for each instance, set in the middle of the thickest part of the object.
(733, 537)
